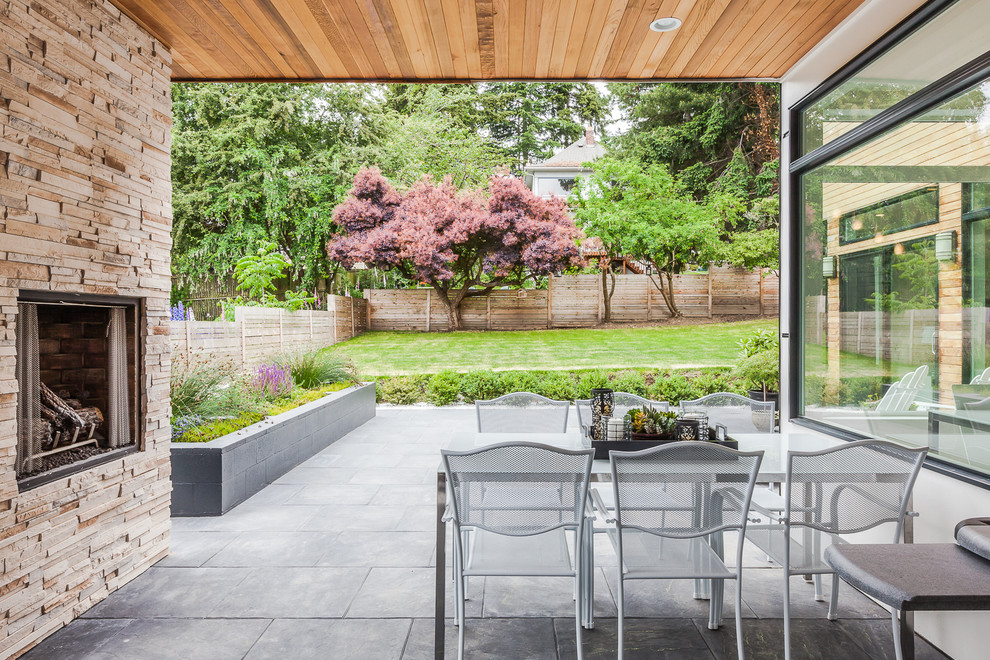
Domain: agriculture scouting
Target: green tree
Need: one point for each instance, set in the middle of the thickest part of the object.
(257, 163)
(716, 139)
(647, 211)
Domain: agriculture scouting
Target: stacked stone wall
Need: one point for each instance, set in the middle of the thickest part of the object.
(84, 208)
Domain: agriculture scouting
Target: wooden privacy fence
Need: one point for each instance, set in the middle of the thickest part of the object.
(259, 333)
(575, 301)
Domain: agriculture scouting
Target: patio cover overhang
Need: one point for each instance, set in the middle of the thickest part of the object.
(469, 40)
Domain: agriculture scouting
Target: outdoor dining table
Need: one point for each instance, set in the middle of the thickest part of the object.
(772, 470)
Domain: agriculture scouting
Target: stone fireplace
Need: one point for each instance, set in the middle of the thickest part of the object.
(85, 221)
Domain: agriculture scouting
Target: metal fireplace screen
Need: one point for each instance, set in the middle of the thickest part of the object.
(62, 422)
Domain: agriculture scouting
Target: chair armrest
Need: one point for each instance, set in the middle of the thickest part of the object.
(599, 503)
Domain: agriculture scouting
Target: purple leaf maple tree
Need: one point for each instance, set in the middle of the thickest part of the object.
(461, 243)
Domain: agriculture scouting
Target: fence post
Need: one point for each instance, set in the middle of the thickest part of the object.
(601, 300)
(549, 301)
(311, 327)
(488, 311)
(281, 332)
(649, 298)
(428, 304)
(352, 317)
(188, 342)
(333, 318)
(760, 274)
(240, 328)
(710, 269)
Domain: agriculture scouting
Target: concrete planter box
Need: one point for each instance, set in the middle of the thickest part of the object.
(210, 478)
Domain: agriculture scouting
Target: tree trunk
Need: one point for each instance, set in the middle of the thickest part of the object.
(453, 308)
(607, 292)
(667, 291)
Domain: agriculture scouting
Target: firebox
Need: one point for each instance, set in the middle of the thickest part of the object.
(76, 365)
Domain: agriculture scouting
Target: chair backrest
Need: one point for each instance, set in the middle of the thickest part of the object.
(522, 412)
(683, 489)
(622, 402)
(518, 488)
(900, 395)
(982, 378)
(852, 487)
(739, 414)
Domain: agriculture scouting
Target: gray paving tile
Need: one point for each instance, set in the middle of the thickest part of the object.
(170, 592)
(418, 519)
(540, 597)
(407, 592)
(194, 548)
(383, 549)
(254, 549)
(189, 639)
(369, 461)
(272, 494)
(424, 495)
(78, 639)
(392, 476)
(292, 592)
(349, 518)
(672, 598)
(340, 639)
(317, 475)
(323, 494)
(876, 637)
(520, 639)
(255, 518)
(645, 639)
(763, 591)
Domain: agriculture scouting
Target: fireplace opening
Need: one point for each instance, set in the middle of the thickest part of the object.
(76, 365)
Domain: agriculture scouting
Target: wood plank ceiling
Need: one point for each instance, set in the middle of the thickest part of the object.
(461, 40)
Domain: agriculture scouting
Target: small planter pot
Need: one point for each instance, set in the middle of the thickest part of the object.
(763, 419)
(657, 438)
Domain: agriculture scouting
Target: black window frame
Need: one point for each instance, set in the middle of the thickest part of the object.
(926, 99)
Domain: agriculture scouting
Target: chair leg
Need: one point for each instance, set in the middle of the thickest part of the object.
(578, 623)
(620, 607)
(739, 631)
(833, 603)
(819, 590)
(787, 615)
(715, 604)
(459, 597)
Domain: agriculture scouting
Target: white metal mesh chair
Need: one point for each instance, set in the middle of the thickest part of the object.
(622, 402)
(521, 501)
(831, 493)
(522, 412)
(739, 414)
(672, 505)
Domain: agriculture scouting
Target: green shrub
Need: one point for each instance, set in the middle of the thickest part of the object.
(712, 383)
(221, 427)
(481, 384)
(444, 388)
(760, 371)
(859, 389)
(591, 380)
(631, 382)
(315, 368)
(301, 397)
(401, 390)
(759, 341)
(519, 381)
(557, 385)
(673, 388)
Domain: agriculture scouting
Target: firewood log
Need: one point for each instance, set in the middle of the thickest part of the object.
(64, 412)
(91, 416)
(75, 404)
(44, 436)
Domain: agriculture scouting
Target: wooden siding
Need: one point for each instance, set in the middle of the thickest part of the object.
(575, 301)
(421, 40)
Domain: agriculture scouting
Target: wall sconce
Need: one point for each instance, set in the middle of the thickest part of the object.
(945, 245)
(828, 267)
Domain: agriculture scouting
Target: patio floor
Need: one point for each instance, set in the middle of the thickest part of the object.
(335, 560)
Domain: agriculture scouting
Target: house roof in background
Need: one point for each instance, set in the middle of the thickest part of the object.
(574, 155)
(467, 40)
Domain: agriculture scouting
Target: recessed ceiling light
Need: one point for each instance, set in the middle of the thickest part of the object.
(665, 24)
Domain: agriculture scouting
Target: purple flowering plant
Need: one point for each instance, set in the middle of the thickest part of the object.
(272, 381)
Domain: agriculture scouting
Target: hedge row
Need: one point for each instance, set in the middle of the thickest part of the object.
(449, 387)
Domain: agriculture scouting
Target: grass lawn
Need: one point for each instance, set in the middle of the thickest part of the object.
(392, 353)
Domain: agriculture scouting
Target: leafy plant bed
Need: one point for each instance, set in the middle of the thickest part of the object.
(211, 477)
(449, 387)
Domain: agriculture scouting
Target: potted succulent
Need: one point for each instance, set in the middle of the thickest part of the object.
(648, 423)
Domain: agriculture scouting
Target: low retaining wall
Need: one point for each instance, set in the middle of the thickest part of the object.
(210, 478)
